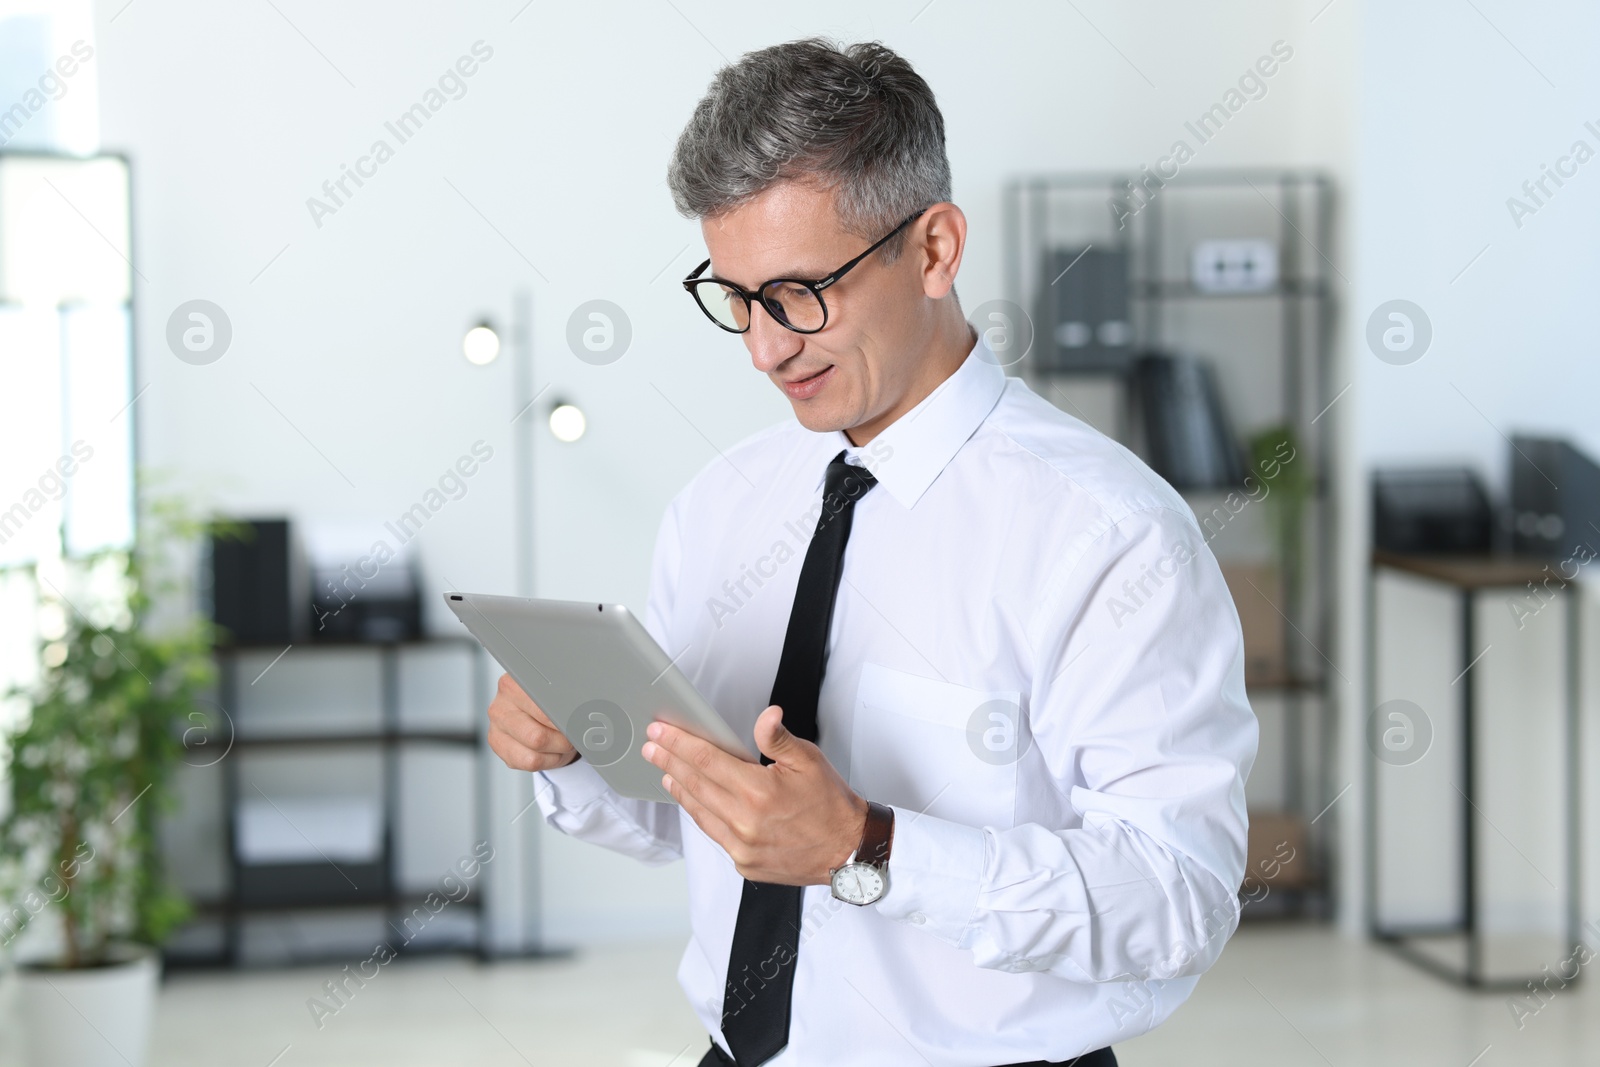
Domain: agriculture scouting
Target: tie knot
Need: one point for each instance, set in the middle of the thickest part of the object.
(847, 479)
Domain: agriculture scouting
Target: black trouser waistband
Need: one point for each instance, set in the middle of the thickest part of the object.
(1102, 1057)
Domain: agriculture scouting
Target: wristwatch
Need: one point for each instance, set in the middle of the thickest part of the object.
(864, 876)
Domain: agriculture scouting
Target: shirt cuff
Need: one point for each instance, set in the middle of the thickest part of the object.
(935, 873)
(570, 788)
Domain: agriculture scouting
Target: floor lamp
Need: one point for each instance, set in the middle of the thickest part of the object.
(481, 346)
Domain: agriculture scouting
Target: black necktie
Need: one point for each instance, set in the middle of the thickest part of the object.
(755, 1004)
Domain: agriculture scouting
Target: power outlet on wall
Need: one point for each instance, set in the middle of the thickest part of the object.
(1236, 266)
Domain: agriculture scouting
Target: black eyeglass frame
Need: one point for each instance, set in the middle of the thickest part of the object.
(749, 296)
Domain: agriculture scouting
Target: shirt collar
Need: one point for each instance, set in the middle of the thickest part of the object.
(910, 453)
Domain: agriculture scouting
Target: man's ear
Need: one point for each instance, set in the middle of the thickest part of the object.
(943, 239)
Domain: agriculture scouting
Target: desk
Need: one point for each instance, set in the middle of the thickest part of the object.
(1467, 576)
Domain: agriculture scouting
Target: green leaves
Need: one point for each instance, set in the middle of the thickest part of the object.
(91, 764)
(1289, 473)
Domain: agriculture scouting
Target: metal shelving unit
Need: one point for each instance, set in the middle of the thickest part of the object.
(1271, 351)
(262, 889)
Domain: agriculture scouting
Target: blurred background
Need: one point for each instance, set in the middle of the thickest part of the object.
(330, 308)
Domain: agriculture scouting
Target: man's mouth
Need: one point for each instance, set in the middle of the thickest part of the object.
(808, 387)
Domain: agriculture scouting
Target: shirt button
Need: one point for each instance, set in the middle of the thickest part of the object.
(916, 918)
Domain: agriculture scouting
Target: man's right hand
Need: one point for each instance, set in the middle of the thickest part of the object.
(522, 735)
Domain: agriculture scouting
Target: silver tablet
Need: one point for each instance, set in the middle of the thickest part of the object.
(600, 677)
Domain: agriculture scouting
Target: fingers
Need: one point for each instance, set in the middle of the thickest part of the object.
(517, 697)
(740, 851)
(783, 822)
(519, 757)
(522, 735)
(695, 765)
(526, 730)
(774, 739)
(709, 821)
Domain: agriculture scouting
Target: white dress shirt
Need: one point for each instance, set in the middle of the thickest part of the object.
(1035, 661)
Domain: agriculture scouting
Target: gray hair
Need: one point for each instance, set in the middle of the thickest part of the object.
(857, 119)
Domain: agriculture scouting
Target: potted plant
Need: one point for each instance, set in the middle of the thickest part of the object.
(89, 775)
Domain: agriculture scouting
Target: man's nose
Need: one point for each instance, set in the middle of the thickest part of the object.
(769, 343)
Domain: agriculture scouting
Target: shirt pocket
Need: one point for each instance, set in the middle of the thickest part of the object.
(937, 747)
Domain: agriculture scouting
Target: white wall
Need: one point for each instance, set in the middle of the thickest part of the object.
(232, 119)
(1458, 106)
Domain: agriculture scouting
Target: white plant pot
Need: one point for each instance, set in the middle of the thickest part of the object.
(96, 1017)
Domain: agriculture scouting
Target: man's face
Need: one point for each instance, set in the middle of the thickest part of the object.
(857, 371)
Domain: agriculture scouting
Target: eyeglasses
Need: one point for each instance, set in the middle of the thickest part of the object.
(794, 303)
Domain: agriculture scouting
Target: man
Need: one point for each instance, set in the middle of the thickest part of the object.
(999, 817)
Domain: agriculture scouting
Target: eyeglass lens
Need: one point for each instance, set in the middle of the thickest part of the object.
(790, 303)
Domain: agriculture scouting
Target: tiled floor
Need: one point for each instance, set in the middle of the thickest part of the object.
(1280, 995)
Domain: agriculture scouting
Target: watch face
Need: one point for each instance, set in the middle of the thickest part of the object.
(858, 883)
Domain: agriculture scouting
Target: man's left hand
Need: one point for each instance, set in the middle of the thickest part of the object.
(788, 822)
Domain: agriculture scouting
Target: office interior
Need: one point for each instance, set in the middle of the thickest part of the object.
(1327, 265)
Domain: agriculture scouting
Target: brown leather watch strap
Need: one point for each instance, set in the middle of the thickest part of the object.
(875, 838)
